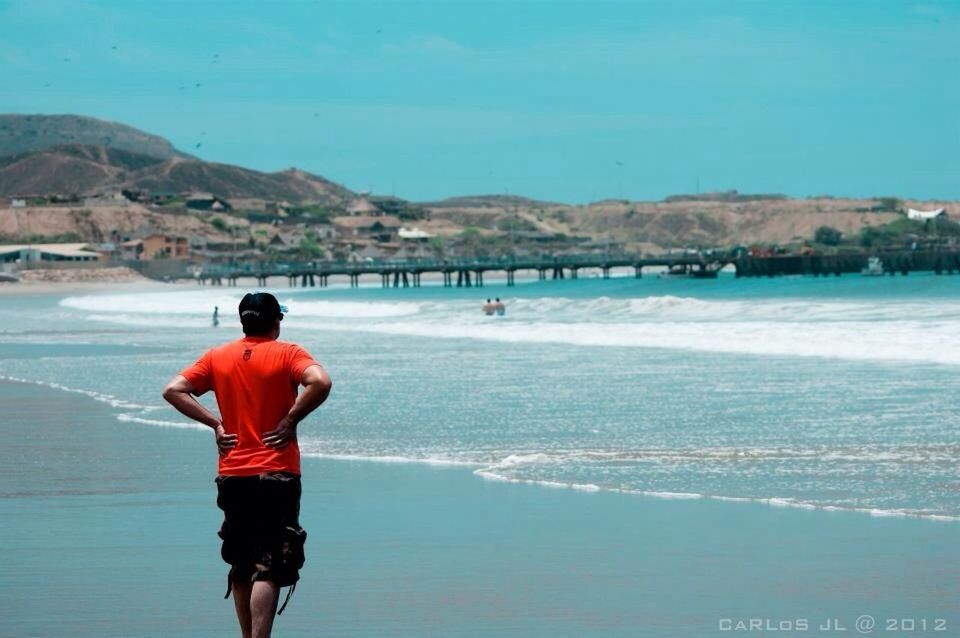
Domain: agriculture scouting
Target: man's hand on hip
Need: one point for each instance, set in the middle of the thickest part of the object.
(282, 435)
(225, 442)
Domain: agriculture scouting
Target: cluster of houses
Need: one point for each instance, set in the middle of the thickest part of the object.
(364, 232)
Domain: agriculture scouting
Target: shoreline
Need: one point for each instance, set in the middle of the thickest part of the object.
(485, 471)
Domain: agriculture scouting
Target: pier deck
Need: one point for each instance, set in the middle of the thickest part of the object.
(471, 272)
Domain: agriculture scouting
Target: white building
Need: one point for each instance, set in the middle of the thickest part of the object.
(414, 234)
(27, 253)
(924, 215)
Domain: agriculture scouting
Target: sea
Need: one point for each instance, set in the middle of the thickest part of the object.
(834, 394)
(831, 394)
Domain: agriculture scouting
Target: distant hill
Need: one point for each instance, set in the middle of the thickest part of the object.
(87, 170)
(483, 201)
(731, 196)
(77, 155)
(28, 133)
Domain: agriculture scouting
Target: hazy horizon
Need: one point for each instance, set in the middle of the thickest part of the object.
(563, 101)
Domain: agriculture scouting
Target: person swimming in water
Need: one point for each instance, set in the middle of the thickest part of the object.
(489, 308)
(499, 308)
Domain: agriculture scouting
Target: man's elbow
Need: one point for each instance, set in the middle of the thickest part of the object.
(173, 390)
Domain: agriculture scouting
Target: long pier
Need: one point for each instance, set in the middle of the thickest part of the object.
(456, 272)
(471, 272)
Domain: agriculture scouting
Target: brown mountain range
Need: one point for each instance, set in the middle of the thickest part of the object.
(87, 170)
(71, 155)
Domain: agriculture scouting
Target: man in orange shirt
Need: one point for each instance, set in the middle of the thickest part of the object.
(256, 380)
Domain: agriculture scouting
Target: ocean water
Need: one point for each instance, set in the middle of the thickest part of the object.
(832, 394)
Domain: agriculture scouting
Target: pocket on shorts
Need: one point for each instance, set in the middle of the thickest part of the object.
(228, 550)
(292, 539)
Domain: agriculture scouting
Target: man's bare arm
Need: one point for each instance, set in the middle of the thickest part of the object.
(317, 385)
(179, 394)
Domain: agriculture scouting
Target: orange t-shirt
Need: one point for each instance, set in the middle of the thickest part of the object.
(255, 380)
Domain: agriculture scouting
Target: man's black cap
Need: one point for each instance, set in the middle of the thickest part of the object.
(258, 307)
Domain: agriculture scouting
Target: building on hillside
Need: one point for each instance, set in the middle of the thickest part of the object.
(30, 253)
(17, 202)
(277, 208)
(207, 201)
(286, 240)
(368, 252)
(106, 200)
(107, 250)
(411, 251)
(159, 198)
(414, 235)
(156, 246)
(925, 215)
(383, 228)
(362, 206)
(323, 232)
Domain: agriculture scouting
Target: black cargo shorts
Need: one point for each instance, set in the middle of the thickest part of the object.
(262, 537)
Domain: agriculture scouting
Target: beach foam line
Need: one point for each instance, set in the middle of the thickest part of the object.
(102, 397)
(184, 425)
(912, 341)
(127, 307)
(491, 471)
(769, 501)
(383, 459)
(488, 472)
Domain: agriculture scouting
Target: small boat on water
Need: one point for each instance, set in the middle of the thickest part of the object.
(874, 268)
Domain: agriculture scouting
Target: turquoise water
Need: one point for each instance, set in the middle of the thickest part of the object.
(827, 394)
(730, 450)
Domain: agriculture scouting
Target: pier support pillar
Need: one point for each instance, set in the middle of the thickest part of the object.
(510, 277)
(606, 272)
(638, 272)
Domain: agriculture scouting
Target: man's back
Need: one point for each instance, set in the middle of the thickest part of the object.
(255, 380)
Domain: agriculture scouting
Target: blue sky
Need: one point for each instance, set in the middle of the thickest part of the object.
(565, 101)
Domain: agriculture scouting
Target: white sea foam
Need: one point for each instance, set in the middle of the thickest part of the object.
(880, 341)
(505, 469)
(102, 397)
(879, 331)
(184, 425)
(158, 305)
